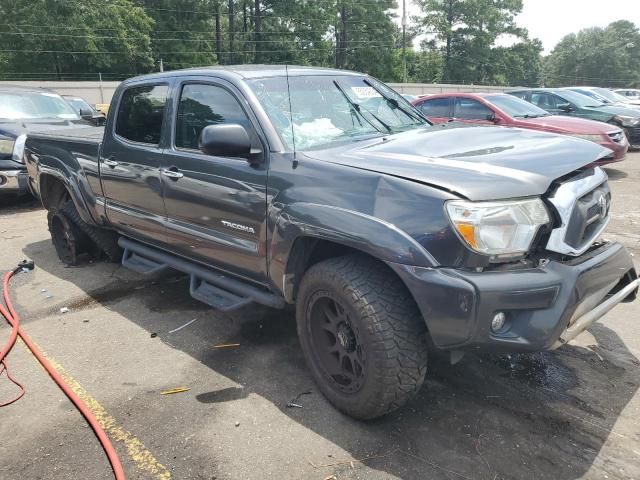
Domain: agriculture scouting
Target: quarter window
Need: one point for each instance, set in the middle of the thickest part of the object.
(203, 105)
(141, 113)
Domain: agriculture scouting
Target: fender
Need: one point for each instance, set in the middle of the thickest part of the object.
(69, 168)
(360, 231)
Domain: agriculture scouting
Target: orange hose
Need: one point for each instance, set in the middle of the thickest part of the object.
(10, 314)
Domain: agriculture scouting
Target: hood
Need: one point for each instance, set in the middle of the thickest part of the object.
(571, 125)
(15, 128)
(616, 110)
(478, 163)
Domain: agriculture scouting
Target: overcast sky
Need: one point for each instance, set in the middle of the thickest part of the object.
(550, 20)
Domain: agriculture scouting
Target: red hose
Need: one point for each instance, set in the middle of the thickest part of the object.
(10, 314)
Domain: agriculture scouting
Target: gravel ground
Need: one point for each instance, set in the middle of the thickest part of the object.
(562, 415)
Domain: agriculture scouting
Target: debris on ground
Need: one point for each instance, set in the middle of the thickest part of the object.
(237, 424)
(331, 477)
(154, 335)
(293, 402)
(64, 310)
(181, 327)
(171, 391)
(226, 345)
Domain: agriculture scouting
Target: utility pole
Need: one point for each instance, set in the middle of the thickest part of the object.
(161, 66)
(404, 41)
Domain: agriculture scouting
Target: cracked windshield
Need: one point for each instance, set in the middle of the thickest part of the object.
(325, 110)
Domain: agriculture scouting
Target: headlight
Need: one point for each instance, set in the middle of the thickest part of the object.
(627, 121)
(13, 147)
(591, 138)
(6, 145)
(502, 229)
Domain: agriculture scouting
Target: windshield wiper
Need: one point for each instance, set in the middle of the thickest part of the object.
(413, 113)
(354, 106)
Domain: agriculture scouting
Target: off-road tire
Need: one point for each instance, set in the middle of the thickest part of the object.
(69, 241)
(387, 323)
(105, 240)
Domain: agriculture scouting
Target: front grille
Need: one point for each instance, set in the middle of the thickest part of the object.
(590, 212)
(582, 203)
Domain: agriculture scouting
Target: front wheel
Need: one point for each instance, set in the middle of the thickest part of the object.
(362, 335)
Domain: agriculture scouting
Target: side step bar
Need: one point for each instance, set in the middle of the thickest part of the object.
(215, 289)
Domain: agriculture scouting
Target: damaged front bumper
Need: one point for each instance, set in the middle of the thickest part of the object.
(545, 306)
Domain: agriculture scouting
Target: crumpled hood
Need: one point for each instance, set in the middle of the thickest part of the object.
(479, 163)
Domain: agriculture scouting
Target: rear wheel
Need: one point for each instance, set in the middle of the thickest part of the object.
(69, 241)
(362, 335)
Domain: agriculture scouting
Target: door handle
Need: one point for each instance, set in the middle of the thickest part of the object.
(110, 163)
(171, 173)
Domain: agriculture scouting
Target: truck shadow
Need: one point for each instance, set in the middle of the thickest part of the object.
(542, 416)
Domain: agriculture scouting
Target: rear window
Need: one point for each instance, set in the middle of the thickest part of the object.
(141, 113)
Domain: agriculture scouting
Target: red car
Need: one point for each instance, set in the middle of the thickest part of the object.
(509, 111)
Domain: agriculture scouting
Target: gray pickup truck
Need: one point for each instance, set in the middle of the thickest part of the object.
(327, 190)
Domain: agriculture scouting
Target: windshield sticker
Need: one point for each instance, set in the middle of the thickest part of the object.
(365, 92)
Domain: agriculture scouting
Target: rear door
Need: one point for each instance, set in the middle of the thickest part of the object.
(216, 206)
(438, 110)
(130, 162)
(469, 110)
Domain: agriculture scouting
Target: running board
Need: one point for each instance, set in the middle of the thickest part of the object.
(207, 285)
(140, 264)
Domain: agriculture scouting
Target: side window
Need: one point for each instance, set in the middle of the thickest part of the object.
(546, 101)
(202, 105)
(468, 109)
(438, 107)
(141, 113)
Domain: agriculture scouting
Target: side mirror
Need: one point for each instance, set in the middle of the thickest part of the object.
(86, 113)
(566, 107)
(231, 140)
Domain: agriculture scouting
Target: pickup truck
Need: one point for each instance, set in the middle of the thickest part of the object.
(327, 190)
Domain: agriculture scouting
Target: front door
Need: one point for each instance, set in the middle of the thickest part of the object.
(216, 206)
(131, 160)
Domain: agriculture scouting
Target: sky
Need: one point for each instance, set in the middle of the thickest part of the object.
(550, 20)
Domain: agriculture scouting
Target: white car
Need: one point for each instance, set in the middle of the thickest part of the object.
(632, 94)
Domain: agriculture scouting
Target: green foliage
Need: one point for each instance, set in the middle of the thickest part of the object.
(608, 57)
(79, 38)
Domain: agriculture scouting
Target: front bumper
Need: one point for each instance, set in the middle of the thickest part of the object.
(545, 306)
(14, 182)
(619, 152)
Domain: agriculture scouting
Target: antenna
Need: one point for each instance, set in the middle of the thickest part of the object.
(293, 136)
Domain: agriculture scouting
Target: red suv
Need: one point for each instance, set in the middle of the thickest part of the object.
(509, 111)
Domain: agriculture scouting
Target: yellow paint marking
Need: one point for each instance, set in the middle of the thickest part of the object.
(136, 450)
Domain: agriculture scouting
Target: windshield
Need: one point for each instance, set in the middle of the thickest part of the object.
(611, 96)
(591, 94)
(578, 99)
(516, 107)
(329, 109)
(27, 105)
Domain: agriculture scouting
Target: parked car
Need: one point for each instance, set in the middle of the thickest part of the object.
(22, 111)
(605, 96)
(102, 108)
(86, 111)
(409, 97)
(326, 190)
(633, 94)
(509, 111)
(565, 102)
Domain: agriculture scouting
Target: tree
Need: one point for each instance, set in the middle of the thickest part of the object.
(466, 32)
(595, 56)
(50, 38)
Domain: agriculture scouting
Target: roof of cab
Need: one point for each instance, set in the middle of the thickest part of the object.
(247, 72)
